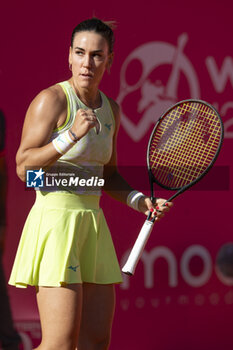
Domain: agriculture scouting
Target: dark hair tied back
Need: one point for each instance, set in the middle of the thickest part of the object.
(96, 25)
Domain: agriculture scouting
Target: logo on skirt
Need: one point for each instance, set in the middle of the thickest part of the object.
(73, 268)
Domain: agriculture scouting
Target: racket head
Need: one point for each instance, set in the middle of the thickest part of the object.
(184, 144)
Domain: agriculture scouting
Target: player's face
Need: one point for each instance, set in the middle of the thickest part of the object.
(89, 58)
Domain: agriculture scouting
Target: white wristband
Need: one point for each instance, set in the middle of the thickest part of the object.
(133, 198)
(63, 142)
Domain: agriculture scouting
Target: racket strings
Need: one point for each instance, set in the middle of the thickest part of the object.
(184, 144)
(182, 159)
(203, 156)
(184, 166)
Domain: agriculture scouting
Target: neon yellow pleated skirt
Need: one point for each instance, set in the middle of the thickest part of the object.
(65, 240)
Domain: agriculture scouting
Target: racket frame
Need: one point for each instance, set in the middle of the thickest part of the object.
(180, 190)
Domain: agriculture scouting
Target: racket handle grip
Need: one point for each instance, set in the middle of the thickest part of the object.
(136, 252)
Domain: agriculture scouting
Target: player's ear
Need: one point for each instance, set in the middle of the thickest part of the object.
(110, 60)
(70, 56)
(70, 59)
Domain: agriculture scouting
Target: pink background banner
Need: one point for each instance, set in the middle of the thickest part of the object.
(164, 52)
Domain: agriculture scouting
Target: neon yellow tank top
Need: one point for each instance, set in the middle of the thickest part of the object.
(88, 156)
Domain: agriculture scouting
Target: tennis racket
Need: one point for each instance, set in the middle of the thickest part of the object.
(183, 146)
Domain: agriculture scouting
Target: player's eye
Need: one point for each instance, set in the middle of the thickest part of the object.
(79, 53)
(97, 55)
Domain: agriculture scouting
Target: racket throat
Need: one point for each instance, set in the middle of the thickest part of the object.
(151, 179)
(152, 198)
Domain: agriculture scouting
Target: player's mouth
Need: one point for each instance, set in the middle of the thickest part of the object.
(86, 75)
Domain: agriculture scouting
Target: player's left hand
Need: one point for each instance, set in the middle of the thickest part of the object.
(159, 209)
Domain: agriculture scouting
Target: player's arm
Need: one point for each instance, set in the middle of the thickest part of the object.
(44, 114)
(47, 112)
(115, 185)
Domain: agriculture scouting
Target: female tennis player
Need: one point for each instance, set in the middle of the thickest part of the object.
(66, 250)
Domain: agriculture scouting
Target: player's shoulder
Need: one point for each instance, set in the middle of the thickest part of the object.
(52, 95)
(50, 103)
(114, 105)
(115, 109)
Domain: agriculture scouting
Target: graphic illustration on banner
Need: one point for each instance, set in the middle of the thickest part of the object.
(156, 96)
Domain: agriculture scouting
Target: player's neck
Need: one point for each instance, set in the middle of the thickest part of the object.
(89, 96)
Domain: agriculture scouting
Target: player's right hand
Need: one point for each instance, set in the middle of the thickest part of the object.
(85, 120)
